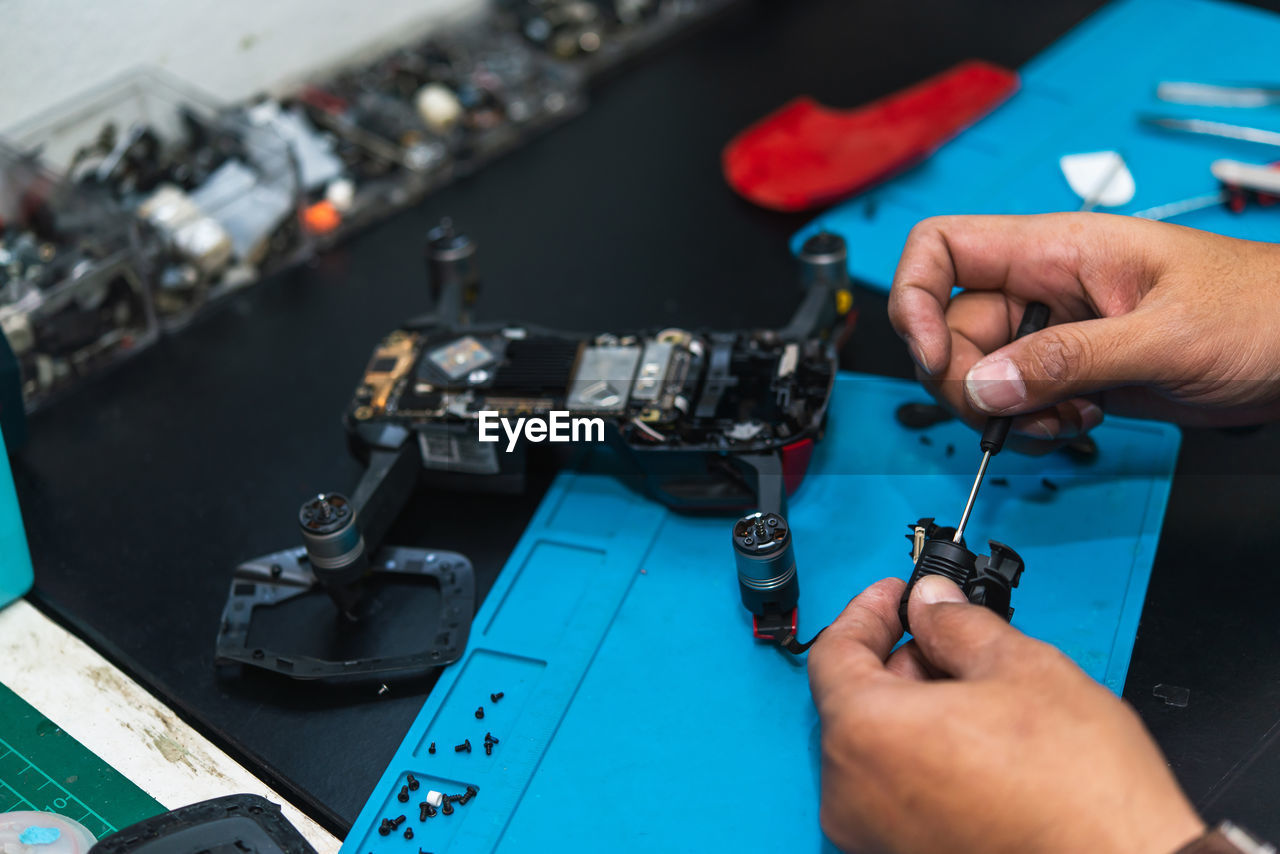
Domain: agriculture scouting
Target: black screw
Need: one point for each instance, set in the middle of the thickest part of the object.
(479, 713)
(432, 748)
(408, 833)
(472, 791)
(384, 829)
(396, 822)
(422, 811)
(464, 747)
(413, 782)
(403, 797)
(496, 697)
(489, 739)
(447, 807)
(488, 748)
(1048, 484)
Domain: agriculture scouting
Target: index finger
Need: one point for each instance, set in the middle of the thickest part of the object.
(1026, 253)
(855, 646)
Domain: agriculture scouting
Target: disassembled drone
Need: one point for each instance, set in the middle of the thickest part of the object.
(712, 421)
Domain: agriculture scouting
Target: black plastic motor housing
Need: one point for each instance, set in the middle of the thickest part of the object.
(987, 580)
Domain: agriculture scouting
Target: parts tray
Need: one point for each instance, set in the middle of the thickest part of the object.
(639, 714)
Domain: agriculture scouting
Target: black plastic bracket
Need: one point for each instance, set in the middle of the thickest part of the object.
(239, 823)
(281, 576)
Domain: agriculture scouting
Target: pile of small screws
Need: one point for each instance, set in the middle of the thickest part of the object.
(390, 824)
(438, 803)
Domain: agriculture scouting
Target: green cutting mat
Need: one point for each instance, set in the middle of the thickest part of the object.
(42, 768)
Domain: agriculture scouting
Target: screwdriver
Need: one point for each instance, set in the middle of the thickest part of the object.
(1034, 318)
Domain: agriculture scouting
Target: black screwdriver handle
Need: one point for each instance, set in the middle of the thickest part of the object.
(1034, 318)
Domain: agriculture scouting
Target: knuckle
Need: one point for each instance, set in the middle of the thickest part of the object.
(1060, 355)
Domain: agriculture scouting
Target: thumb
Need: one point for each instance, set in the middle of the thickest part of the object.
(1062, 362)
(958, 638)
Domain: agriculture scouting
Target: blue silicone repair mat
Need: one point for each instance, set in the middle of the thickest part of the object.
(638, 713)
(1084, 94)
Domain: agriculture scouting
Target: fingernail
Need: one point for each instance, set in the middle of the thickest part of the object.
(1090, 413)
(1036, 428)
(995, 385)
(934, 588)
(917, 354)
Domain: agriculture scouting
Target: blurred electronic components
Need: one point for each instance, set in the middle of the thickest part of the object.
(216, 191)
(421, 115)
(73, 298)
(192, 199)
(600, 33)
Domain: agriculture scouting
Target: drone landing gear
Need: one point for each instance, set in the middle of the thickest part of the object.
(341, 558)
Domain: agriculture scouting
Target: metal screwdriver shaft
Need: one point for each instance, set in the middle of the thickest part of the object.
(973, 496)
(1034, 318)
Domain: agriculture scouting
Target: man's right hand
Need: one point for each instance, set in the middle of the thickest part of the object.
(974, 737)
(1149, 319)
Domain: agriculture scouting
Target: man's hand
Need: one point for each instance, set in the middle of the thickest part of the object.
(1150, 319)
(974, 737)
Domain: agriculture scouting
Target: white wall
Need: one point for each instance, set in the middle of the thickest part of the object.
(54, 49)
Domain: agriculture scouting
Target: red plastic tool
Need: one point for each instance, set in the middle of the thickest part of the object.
(805, 155)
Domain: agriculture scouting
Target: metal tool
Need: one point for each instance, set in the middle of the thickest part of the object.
(1205, 127)
(1212, 95)
(1034, 318)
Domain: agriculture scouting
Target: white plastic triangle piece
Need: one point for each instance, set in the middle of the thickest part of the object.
(1100, 178)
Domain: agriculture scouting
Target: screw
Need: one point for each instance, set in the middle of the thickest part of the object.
(382, 689)
(403, 797)
(422, 811)
(479, 713)
(464, 747)
(473, 791)
(384, 829)
(489, 739)
(488, 748)
(408, 833)
(447, 807)
(496, 697)
(396, 822)
(432, 748)
(413, 782)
